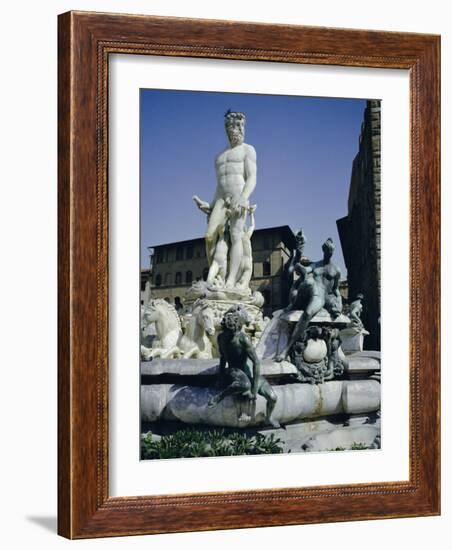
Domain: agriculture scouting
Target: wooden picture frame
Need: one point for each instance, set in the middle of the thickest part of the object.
(85, 42)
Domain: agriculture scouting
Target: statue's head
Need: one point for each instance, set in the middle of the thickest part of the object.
(234, 123)
(328, 247)
(234, 318)
(360, 296)
(300, 238)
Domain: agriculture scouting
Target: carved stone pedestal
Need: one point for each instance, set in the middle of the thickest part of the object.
(318, 356)
(221, 299)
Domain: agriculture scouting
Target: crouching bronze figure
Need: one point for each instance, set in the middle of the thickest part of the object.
(240, 366)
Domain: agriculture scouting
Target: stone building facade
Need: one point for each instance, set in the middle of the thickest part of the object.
(175, 266)
(360, 230)
(145, 289)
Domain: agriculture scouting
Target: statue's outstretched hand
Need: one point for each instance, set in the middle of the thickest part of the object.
(202, 205)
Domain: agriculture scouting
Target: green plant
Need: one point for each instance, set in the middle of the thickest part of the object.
(355, 447)
(359, 447)
(192, 443)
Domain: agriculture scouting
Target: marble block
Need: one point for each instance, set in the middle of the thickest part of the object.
(322, 317)
(352, 339)
(363, 363)
(360, 398)
(343, 438)
(208, 367)
(328, 433)
(274, 337)
(188, 404)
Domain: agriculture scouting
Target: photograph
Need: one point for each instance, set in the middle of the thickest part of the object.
(260, 232)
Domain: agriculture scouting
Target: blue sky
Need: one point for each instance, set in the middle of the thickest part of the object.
(305, 147)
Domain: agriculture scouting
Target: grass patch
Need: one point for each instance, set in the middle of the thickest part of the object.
(191, 443)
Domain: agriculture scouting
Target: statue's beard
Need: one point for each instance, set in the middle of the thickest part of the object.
(235, 137)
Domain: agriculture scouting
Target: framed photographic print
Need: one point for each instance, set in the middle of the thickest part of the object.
(248, 275)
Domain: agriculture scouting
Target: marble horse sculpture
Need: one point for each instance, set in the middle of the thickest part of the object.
(200, 329)
(175, 341)
(167, 327)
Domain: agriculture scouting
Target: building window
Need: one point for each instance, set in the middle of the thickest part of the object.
(205, 273)
(158, 280)
(158, 257)
(178, 278)
(188, 277)
(189, 252)
(267, 296)
(266, 268)
(168, 279)
(179, 253)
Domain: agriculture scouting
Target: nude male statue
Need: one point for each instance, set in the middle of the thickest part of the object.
(236, 180)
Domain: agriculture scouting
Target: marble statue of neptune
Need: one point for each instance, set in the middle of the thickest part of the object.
(236, 180)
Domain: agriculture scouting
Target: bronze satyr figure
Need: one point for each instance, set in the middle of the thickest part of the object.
(242, 374)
